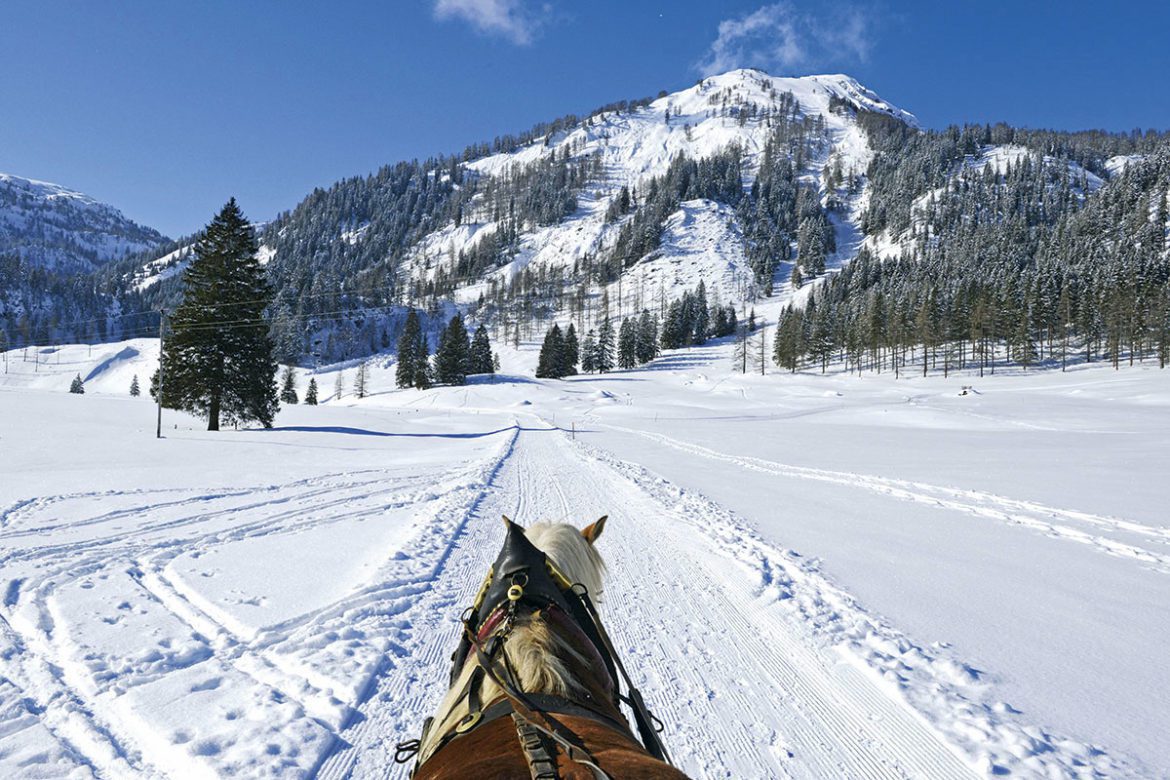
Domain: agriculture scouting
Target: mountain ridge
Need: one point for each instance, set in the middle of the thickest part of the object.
(63, 230)
(789, 177)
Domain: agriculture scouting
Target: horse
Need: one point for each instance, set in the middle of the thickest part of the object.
(534, 689)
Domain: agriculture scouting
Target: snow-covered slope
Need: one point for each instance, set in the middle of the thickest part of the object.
(53, 227)
(634, 146)
(999, 159)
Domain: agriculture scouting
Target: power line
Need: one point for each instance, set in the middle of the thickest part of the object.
(152, 313)
(145, 331)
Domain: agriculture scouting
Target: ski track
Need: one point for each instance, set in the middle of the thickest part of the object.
(848, 696)
(36, 660)
(1028, 514)
(825, 720)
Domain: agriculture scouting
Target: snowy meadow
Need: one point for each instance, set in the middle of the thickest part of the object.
(810, 575)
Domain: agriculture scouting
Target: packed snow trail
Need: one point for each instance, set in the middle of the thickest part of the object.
(140, 639)
(695, 627)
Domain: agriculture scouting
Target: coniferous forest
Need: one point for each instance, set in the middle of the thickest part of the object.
(984, 246)
(1024, 265)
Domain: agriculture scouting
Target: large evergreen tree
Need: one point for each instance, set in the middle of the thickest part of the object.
(627, 351)
(551, 363)
(218, 360)
(452, 356)
(481, 352)
(311, 393)
(413, 355)
(589, 353)
(603, 355)
(572, 351)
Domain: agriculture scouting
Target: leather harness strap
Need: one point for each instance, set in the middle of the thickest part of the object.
(539, 751)
(542, 721)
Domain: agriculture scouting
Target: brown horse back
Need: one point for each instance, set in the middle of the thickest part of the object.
(492, 752)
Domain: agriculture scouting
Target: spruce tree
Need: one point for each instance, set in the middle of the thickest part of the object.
(550, 364)
(481, 352)
(603, 352)
(627, 351)
(288, 386)
(361, 380)
(135, 391)
(218, 357)
(423, 375)
(589, 353)
(408, 351)
(77, 386)
(646, 345)
(571, 352)
(451, 358)
(311, 392)
(701, 318)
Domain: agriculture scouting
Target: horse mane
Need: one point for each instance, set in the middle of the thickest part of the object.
(542, 660)
(574, 556)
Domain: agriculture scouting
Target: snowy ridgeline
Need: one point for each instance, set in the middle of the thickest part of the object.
(810, 576)
(61, 230)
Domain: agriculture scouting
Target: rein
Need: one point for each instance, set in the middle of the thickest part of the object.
(532, 579)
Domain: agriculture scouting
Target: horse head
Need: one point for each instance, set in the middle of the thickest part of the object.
(533, 647)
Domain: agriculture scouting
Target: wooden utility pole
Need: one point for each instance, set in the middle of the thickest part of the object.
(763, 348)
(162, 318)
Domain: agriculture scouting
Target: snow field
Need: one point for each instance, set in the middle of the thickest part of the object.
(809, 576)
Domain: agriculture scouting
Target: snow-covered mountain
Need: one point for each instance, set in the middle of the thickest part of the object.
(760, 186)
(56, 228)
(740, 108)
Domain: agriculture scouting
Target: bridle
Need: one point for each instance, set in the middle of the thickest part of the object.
(524, 578)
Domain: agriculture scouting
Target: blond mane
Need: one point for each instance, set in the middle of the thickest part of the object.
(541, 660)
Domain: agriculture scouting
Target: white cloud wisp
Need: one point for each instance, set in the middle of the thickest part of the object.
(779, 37)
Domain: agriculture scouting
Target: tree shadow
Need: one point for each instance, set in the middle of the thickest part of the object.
(343, 429)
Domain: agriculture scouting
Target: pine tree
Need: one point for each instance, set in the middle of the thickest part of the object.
(589, 353)
(571, 352)
(451, 358)
(481, 352)
(412, 352)
(603, 352)
(135, 391)
(219, 356)
(701, 321)
(550, 364)
(288, 386)
(361, 380)
(311, 393)
(423, 373)
(797, 278)
(646, 347)
(627, 351)
(77, 386)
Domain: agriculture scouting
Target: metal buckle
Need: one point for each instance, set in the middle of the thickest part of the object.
(470, 721)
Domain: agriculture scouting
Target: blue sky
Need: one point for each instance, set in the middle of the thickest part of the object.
(166, 109)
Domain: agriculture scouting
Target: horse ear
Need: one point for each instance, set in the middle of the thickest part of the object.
(508, 523)
(592, 531)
